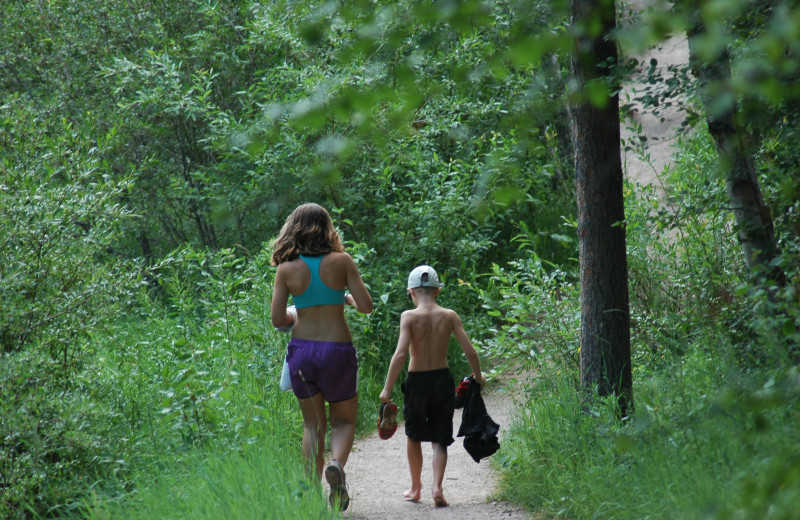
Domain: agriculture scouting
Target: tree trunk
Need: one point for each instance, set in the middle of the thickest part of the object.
(605, 356)
(753, 217)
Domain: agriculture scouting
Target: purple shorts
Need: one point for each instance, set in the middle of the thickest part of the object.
(330, 367)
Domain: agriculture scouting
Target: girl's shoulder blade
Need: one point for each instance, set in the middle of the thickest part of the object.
(339, 258)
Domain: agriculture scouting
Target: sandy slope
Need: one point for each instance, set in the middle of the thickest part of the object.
(660, 134)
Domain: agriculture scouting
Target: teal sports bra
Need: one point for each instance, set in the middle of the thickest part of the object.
(317, 292)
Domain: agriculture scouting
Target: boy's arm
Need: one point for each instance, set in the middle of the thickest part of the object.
(469, 350)
(398, 359)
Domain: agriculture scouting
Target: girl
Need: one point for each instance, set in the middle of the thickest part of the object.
(315, 269)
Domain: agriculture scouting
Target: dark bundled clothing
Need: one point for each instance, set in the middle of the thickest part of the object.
(477, 428)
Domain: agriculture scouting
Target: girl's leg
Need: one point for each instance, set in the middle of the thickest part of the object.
(439, 465)
(414, 451)
(313, 409)
(343, 428)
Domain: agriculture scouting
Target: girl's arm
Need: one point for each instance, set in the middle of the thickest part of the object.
(280, 297)
(359, 297)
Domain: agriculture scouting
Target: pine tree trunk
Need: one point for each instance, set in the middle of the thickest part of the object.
(605, 357)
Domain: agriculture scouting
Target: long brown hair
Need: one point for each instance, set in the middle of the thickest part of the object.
(307, 231)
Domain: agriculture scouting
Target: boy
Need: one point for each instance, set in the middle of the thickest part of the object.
(429, 389)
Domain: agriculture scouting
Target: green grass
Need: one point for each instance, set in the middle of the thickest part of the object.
(704, 443)
(263, 481)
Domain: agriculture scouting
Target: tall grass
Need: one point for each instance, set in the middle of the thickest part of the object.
(262, 481)
(693, 449)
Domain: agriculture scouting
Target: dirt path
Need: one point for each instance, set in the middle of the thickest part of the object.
(377, 475)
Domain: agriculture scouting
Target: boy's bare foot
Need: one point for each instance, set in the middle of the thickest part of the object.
(411, 494)
(438, 499)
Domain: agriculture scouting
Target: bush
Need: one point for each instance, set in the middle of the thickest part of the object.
(60, 214)
(55, 438)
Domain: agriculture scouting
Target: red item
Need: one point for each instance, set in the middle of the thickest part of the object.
(461, 391)
(462, 387)
(387, 420)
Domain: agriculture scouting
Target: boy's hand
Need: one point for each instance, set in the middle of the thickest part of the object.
(480, 379)
(386, 396)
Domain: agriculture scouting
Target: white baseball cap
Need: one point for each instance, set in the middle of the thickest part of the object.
(423, 276)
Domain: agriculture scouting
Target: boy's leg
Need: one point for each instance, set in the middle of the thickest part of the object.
(439, 465)
(414, 451)
(313, 409)
(343, 428)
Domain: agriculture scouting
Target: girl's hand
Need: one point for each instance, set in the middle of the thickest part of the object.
(292, 311)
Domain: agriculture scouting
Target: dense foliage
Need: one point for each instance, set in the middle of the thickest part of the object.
(151, 150)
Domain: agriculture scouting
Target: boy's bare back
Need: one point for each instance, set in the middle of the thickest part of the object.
(429, 329)
(425, 335)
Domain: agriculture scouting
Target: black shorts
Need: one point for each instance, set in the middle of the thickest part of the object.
(428, 406)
